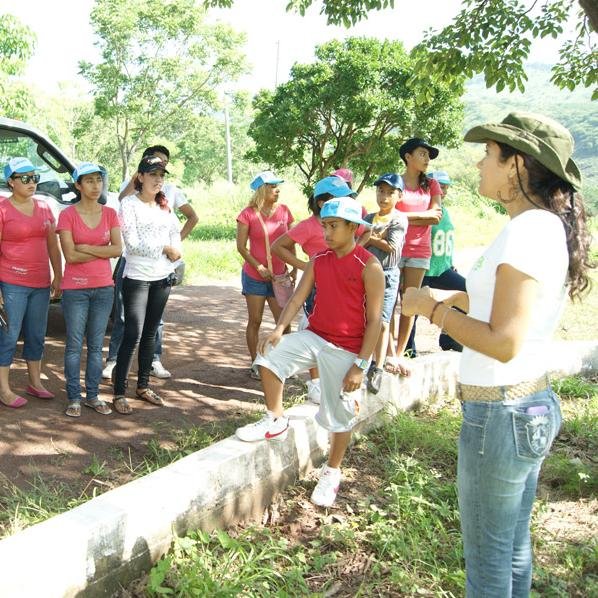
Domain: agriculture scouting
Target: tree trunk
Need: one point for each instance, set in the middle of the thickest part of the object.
(590, 7)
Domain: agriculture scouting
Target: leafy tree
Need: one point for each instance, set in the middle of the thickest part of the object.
(17, 43)
(353, 107)
(160, 63)
(492, 37)
(203, 147)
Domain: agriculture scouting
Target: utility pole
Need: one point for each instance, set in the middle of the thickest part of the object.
(277, 62)
(229, 153)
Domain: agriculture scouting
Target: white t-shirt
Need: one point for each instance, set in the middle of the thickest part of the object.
(146, 230)
(533, 243)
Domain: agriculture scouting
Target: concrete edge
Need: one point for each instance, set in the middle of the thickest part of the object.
(95, 548)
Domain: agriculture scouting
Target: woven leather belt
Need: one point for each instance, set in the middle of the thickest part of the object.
(483, 394)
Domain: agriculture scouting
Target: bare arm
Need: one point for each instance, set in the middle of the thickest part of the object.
(130, 187)
(55, 261)
(115, 248)
(502, 337)
(192, 219)
(71, 254)
(428, 217)
(373, 281)
(242, 239)
(284, 248)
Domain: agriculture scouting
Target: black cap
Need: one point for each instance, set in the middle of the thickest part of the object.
(150, 164)
(414, 143)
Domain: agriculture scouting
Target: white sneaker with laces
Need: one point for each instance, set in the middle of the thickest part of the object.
(313, 390)
(107, 371)
(325, 492)
(268, 428)
(159, 371)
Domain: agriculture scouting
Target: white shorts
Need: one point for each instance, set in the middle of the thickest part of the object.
(302, 350)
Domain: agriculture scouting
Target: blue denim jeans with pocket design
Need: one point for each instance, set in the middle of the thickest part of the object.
(501, 448)
(86, 313)
(27, 311)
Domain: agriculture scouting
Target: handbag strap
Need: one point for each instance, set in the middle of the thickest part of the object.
(267, 239)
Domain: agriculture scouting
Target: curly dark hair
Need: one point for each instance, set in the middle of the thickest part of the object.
(559, 197)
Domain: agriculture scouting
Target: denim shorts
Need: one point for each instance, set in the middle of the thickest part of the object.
(415, 262)
(251, 286)
(391, 291)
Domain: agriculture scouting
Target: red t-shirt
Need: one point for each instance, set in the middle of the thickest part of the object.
(418, 240)
(309, 234)
(339, 314)
(277, 224)
(24, 256)
(95, 273)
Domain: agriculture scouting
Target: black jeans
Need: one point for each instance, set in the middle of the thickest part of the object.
(144, 304)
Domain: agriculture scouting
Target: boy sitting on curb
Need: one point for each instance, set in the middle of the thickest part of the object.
(339, 340)
(385, 240)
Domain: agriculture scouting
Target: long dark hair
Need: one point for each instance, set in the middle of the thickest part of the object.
(559, 197)
(160, 198)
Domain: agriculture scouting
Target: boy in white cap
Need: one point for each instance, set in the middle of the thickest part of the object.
(341, 335)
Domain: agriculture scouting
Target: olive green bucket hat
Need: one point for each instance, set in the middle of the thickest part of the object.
(538, 136)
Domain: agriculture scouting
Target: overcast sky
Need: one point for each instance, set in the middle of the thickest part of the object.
(64, 35)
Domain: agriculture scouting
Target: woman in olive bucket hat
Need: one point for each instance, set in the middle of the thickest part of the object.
(515, 293)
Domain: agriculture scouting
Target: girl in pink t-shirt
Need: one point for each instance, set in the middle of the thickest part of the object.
(256, 277)
(421, 204)
(89, 237)
(27, 246)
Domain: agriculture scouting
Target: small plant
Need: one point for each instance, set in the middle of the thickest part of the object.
(95, 468)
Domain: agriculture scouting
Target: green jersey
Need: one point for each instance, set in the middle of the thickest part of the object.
(443, 243)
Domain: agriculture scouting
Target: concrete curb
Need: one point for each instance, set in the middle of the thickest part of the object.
(104, 544)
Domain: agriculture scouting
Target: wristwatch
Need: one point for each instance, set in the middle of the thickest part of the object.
(362, 364)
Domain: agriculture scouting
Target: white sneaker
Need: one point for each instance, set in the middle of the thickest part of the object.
(313, 391)
(268, 428)
(107, 371)
(159, 371)
(325, 492)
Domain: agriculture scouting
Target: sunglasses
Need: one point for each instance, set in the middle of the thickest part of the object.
(28, 178)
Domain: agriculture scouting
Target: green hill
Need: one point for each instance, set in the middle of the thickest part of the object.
(574, 109)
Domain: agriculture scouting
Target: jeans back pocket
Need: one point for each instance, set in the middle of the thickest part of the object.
(534, 431)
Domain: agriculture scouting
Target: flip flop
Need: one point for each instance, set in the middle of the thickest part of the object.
(147, 394)
(121, 405)
(99, 406)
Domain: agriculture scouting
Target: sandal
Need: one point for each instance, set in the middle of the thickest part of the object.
(147, 394)
(121, 405)
(74, 409)
(98, 405)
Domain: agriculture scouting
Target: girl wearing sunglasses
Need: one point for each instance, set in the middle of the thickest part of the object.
(28, 246)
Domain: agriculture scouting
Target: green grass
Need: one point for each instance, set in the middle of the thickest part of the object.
(404, 527)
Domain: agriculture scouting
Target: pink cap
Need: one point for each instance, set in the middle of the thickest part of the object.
(344, 173)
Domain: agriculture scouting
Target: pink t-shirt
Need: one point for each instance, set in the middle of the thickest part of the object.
(418, 240)
(24, 256)
(339, 313)
(309, 234)
(95, 273)
(277, 224)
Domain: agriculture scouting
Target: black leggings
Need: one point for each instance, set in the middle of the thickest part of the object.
(144, 304)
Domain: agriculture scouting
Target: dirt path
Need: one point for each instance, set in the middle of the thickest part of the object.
(206, 353)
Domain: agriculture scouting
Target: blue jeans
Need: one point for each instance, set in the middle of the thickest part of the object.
(86, 313)
(27, 310)
(501, 449)
(118, 318)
